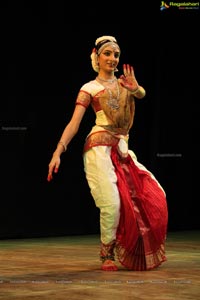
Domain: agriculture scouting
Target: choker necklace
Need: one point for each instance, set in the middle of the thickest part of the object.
(107, 80)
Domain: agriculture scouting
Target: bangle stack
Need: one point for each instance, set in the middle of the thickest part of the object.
(63, 144)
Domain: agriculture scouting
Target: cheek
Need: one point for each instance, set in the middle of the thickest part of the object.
(102, 61)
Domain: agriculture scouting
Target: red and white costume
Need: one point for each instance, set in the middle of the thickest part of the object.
(132, 203)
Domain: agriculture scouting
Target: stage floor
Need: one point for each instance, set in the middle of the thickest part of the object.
(62, 268)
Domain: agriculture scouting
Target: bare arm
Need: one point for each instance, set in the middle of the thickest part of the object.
(69, 132)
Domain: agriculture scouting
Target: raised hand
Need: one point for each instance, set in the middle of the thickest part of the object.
(128, 80)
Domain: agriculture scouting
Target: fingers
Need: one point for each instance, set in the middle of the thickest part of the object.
(125, 70)
(123, 77)
(128, 70)
(50, 176)
(122, 80)
(56, 170)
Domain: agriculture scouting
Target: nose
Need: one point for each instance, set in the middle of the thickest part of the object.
(114, 56)
(112, 59)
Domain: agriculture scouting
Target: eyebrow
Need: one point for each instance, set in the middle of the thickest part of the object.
(108, 50)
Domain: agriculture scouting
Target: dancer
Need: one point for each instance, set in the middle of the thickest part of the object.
(131, 202)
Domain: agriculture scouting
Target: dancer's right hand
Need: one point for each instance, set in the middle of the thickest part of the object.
(53, 166)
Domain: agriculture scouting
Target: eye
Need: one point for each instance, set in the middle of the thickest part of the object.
(117, 54)
(107, 53)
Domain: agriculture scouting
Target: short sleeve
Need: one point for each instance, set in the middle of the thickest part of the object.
(83, 99)
(87, 92)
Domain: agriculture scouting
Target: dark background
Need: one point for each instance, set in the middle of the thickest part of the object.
(45, 60)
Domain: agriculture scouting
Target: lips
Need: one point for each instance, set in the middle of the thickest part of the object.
(111, 65)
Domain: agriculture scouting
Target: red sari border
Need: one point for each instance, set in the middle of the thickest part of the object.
(141, 234)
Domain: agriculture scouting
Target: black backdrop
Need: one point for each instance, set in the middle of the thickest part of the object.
(45, 61)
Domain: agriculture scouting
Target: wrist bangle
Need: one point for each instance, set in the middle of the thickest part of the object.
(134, 92)
(63, 144)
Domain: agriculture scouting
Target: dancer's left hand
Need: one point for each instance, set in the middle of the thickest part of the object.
(128, 80)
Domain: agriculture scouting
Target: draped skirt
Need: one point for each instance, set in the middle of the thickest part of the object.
(141, 233)
(133, 207)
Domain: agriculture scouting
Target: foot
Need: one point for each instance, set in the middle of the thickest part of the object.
(109, 265)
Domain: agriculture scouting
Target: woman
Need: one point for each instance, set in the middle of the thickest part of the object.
(132, 204)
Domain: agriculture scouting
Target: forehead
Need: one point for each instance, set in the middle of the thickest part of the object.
(111, 48)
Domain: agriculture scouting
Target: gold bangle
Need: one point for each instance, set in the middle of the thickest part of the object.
(134, 92)
(63, 144)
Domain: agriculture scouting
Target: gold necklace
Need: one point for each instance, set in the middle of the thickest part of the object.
(112, 101)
